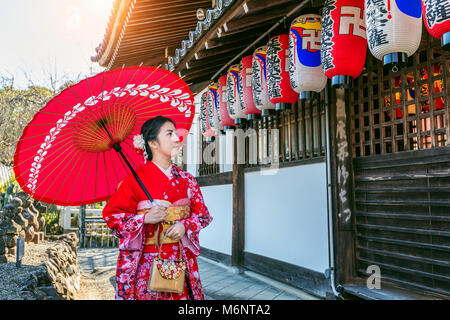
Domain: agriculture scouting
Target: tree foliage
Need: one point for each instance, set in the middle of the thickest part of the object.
(17, 108)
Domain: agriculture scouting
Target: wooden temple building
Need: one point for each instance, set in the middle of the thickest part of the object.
(348, 188)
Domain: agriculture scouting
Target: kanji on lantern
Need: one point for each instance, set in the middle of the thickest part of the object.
(233, 101)
(225, 120)
(211, 103)
(343, 42)
(259, 82)
(305, 68)
(245, 89)
(207, 132)
(436, 16)
(278, 82)
(394, 30)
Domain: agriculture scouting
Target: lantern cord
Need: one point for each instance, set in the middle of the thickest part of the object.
(267, 33)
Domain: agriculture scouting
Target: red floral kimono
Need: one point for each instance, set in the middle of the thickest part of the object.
(135, 259)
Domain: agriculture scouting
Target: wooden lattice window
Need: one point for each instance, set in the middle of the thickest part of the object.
(209, 163)
(404, 110)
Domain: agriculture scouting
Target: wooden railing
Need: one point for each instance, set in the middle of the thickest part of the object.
(97, 234)
(94, 233)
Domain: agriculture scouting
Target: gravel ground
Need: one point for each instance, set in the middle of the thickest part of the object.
(11, 276)
(98, 285)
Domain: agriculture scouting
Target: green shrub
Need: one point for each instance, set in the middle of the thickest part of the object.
(52, 221)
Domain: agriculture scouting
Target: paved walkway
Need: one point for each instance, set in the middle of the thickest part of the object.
(219, 281)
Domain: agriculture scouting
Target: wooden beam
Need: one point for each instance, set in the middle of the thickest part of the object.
(162, 19)
(154, 9)
(219, 51)
(238, 235)
(254, 6)
(259, 17)
(215, 61)
(151, 5)
(341, 179)
(150, 33)
(199, 72)
(215, 179)
(231, 12)
(117, 28)
(246, 34)
(206, 79)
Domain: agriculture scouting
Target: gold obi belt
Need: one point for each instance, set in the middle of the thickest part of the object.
(173, 214)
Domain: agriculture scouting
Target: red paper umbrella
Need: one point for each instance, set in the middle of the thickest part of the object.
(78, 147)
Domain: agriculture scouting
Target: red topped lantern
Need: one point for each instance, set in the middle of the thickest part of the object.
(344, 40)
(234, 103)
(436, 16)
(259, 82)
(207, 132)
(245, 89)
(225, 120)
(278, 82)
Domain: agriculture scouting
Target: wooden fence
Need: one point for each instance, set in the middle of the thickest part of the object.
(94, 233)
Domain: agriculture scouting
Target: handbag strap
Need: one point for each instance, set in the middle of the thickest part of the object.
(159, 245)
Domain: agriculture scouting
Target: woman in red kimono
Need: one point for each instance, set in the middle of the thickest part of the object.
(180, 212)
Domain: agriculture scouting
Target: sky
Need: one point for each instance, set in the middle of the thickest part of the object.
(39, 37)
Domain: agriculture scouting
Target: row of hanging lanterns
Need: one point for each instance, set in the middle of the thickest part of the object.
(332, 46)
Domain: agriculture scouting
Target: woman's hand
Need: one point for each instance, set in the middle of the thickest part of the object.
(155, 215)
(176, 232)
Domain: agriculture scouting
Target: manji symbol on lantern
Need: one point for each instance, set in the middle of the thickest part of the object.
(436, 16)
(344, 44)
(259, 82)
(207, 132)
(211, 103)
(245, 89)
(305, 68)
(394, 30)
(278, 82)
(225, 120)
(234, 103)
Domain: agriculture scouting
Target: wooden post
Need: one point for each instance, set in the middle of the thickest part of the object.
(82, 224)
(238, 238)
(342, 181)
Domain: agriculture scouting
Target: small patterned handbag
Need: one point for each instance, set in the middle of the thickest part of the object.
(167, 275)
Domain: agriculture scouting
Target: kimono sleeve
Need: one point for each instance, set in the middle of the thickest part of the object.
(198, 219)
(120, 216)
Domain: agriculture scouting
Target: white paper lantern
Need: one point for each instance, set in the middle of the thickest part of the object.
(207, 132)
(259, 82)
(234, 100)
(213, 107)
(305, 67)
(394, 29)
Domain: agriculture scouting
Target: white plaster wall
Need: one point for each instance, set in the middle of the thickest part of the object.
(286, 215)
(218, 234)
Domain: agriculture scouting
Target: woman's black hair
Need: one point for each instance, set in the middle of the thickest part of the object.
(150, 130)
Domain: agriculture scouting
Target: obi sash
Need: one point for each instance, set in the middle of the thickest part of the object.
(173, 214)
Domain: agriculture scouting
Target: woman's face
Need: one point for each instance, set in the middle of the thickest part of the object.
(168, 143)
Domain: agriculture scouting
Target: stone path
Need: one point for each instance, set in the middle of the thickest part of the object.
(219, 281)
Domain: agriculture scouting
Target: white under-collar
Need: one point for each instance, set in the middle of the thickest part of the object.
(167, 172)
